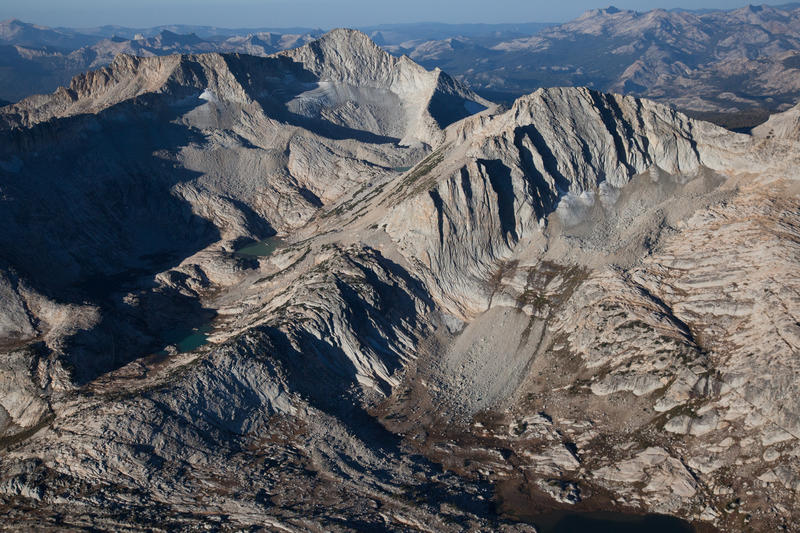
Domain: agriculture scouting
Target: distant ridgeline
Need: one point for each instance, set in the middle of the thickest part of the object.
(706, 61)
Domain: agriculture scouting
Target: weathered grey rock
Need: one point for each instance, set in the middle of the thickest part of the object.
(584, 290)
(784, 125)
(663, 476)
(560, 491)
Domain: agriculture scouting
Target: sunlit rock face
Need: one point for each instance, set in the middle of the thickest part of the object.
(471, 315)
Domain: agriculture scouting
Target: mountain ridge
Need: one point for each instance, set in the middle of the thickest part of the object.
(350, 53)
(585, 299)
(710, 62)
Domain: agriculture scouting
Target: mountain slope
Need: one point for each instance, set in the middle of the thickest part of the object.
(190, 155)
(584, 301)
(784, 125)
(15, 32)
(442, 99)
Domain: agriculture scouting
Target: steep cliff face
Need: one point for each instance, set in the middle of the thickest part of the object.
(506, 174)
(585, 299)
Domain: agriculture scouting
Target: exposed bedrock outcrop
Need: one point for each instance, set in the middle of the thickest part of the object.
(583, 300)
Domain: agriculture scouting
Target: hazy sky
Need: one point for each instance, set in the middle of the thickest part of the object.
(318, 13)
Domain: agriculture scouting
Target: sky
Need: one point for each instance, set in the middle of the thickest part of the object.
(323, 14)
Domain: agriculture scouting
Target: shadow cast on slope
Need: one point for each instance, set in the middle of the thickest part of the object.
(94, 214)
(499, 177)
(95, 196)
(323, 373)
(374, 312)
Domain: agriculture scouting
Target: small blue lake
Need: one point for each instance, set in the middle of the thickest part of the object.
(186, 339)
(260, 249)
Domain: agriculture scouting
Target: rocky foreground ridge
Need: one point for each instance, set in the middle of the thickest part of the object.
(475, 314)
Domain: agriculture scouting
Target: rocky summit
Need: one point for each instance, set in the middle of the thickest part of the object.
(328, 289)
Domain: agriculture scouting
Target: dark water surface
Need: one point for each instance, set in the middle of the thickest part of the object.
(608, 522)
(260, 249)
(188, 339)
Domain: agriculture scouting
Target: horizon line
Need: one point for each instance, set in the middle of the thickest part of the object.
(379, 24)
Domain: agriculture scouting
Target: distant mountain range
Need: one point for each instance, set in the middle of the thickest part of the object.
(717, 61)
(707, 61)
(34, 59)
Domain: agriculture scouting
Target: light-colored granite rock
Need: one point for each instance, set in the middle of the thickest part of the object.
(581, 291)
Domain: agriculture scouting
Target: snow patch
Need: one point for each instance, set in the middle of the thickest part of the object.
(574, 208)
(208, 95)
(608, 194)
